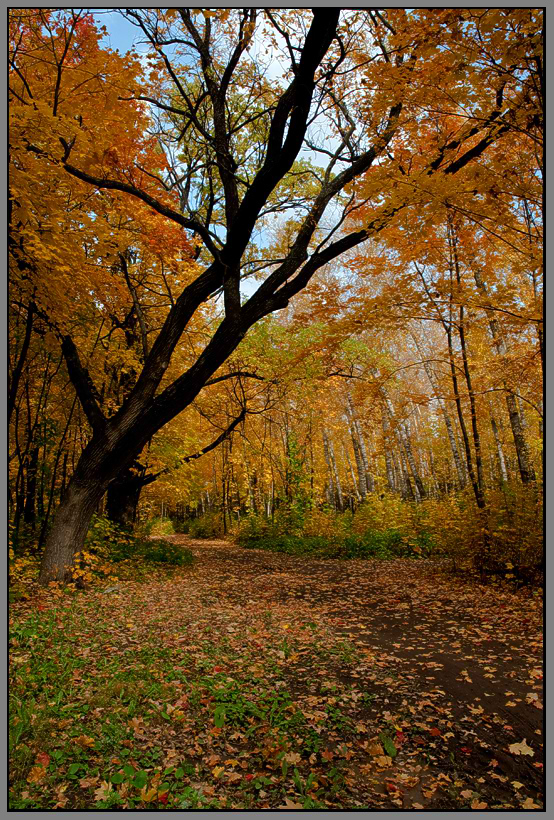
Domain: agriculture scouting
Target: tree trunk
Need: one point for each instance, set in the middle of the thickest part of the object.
(389, 459)
(405, 446)
(499, 450)
(71, 526)
(330, 490)
(360, 452)
(359, 465)
(526, 471)
(29, 511)
(335, 484)
(355, 489)
(407, 489)
(462, 477)
(123, 497)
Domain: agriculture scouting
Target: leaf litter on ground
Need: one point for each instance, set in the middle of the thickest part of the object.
(256, 680)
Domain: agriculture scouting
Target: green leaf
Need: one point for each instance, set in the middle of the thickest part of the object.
(140, 780)
(179, 772)
(129, 770)
(74, 768)
(388, 745)
(118, 778)
(219, 716)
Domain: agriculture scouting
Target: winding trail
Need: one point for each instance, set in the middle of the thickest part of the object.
(468, 654)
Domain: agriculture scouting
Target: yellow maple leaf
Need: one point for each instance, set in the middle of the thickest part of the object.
(84, 741)
(36, 774)
(147, 795)
(521, 748)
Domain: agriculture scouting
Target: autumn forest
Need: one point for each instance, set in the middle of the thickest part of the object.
(275, 408)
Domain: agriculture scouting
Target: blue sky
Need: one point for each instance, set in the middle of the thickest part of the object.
(121, 33)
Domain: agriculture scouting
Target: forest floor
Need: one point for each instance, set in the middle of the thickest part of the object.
(255, 680)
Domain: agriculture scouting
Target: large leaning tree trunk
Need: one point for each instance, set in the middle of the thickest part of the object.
(124, 491)
(233, 204)
(123, 497)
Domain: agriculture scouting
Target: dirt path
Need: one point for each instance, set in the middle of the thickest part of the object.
(463, 657)
(252, 681)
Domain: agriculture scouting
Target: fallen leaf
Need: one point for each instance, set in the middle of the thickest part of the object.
(289, 804)
(521, 749)
(479, 805)
(36, 774)
(529, 804)
(84, 741)
(147, 795)
(102, 791)
(517, 785)
(86, 782)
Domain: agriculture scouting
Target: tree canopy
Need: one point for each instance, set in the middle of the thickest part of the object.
(331, 215)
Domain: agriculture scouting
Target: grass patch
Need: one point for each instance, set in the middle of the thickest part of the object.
(105, 716)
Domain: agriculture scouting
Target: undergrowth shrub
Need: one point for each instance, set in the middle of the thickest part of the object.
(157, 526)
(209, 525)
(382, 527)
(180, 527)
(504, 541)
(108, 546)
(315, 546)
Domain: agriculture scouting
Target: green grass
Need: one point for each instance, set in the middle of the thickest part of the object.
(100, 711)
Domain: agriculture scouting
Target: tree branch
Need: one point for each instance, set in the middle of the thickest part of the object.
(83, 384)
(159, 207)
(201, 452)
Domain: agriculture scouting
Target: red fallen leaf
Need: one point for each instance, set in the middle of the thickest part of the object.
(218, 669)
(163, 798)
(435, 732)
(465, 749)
(42, 759)
(400, 737)
(391, 787)
(249, 777)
